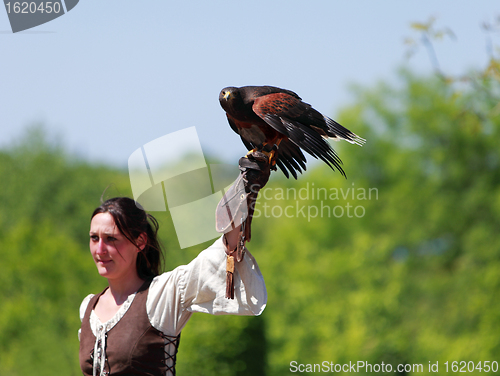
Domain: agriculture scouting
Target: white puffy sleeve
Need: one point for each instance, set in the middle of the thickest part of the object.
(83, 309)
(200, 286)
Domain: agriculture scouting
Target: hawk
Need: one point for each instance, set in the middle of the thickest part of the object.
(276, 121)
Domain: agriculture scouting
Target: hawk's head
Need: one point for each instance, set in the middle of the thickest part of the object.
(230, 98)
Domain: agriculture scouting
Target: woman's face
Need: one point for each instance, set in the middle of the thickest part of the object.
(114, 255)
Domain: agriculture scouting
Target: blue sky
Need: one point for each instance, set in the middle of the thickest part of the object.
(112, 75)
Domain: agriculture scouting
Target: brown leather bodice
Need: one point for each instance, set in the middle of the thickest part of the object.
(133, 346)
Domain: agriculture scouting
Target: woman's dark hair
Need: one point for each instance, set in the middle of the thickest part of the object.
(132, 221)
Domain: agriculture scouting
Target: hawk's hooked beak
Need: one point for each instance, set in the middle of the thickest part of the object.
(227, 94)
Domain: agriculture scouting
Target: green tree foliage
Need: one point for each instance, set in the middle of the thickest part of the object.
(414, 276)
(400, 263)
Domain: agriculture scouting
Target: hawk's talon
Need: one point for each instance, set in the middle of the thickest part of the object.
(252, 151)
(271, 155)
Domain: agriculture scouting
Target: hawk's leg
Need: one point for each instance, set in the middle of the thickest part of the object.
(259, 147)
(271, 154)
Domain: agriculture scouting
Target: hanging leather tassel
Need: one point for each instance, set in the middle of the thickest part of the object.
(230, 277)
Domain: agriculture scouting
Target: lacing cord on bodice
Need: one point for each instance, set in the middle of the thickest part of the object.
(171, 340)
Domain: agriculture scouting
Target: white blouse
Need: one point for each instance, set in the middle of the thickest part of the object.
(199, 286)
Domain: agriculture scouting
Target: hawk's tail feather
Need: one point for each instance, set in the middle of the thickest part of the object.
(338, 131)
(290, 158)
(314, 144)
(285, 167)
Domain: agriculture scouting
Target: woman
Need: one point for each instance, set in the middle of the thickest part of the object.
(134, 325)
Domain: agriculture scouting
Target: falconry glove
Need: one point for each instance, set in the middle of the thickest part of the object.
(237, 207)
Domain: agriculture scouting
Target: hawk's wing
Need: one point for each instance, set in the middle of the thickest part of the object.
(291, 117)
(290, 157)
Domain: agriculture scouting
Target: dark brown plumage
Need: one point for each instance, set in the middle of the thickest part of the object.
(265, 116)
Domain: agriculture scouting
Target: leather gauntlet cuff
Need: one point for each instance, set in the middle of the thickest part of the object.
(237, 206)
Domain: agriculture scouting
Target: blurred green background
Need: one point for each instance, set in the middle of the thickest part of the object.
(409, 275)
